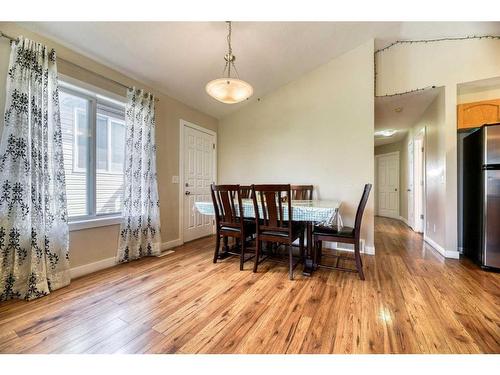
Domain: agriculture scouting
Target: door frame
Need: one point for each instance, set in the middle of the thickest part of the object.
(411, 190)
(420, 138)
(182, 125)
(377, 157)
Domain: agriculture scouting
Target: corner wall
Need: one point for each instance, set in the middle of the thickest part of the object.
(317, 130)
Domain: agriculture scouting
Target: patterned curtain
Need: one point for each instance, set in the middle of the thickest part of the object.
(140, 228)
(33, 217)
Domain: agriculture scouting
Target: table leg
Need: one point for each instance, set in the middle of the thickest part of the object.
(309, 266)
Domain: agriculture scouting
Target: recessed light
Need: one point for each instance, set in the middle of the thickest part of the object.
(385, 133)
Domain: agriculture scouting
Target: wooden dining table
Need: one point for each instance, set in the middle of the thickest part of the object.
(308, 211)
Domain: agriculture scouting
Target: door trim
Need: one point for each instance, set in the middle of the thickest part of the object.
(397, 216)
(182, 125)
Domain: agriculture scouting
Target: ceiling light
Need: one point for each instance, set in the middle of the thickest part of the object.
(229, 90)
(385, 133)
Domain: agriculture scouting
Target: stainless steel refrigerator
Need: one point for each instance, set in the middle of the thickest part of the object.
(481, 196)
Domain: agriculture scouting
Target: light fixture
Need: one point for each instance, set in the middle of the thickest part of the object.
(227, 89)
(385, 133)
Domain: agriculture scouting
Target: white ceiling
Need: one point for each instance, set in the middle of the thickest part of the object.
(179, 58)
(412, 107)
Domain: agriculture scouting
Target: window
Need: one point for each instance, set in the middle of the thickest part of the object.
(93, 129)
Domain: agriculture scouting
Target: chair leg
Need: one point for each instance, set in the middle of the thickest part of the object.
(242, 254)
(217, 245)
(257, 254)
(226, 247)
(290, 256)
(359, 263)
(315, 249)
(301, 248)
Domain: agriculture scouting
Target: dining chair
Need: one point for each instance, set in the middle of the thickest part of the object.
(274, 222)
(345, 235)
(246, 191)
(230, 221)
(302, 192)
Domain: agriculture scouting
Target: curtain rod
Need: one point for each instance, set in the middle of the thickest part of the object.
(12, 39)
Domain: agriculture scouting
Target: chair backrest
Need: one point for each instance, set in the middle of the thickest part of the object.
(272, 200)
(223, 198)
(246, 191)
(302, 192)
(361, 209)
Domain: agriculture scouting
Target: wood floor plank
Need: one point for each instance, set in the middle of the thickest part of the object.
(413, 301)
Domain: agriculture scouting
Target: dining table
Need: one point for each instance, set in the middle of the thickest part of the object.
(308, 211)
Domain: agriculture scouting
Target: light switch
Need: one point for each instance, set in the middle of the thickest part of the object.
(175, 179)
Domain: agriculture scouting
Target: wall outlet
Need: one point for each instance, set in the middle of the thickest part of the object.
(175, 179)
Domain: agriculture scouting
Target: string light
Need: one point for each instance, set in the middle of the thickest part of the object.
(470, 37)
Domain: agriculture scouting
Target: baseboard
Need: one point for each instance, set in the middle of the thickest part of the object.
(404, 220)
(369, 250)
(171, 244)
(441, 250)
(110, 262)
(92, 267)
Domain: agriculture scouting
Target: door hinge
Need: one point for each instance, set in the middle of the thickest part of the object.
(213, 146)
(422, 217)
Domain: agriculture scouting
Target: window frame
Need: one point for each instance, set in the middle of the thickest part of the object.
(108, 170)
(94, 96)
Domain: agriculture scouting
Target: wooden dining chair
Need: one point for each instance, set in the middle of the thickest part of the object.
(246, 191)
(302, 192)
(229, 220)
(345, 235)
(272, 223)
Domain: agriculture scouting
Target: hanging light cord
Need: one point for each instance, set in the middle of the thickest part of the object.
(229, 56)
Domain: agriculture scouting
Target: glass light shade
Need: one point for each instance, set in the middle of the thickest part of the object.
(229, 90)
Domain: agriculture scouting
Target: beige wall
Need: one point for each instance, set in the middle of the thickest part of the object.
(317, 129)
(402, 148)
(92, 245)
(447, 64)
(476, 95)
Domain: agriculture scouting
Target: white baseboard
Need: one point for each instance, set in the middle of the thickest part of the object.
(369, 250)
(110, 262)
(441, 250)
(404, 220)
(92, 267)
(171, 244)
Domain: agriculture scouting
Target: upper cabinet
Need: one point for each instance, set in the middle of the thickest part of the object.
(473, 115)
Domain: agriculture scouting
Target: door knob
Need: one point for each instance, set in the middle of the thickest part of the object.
(187, 192)
(395, 189)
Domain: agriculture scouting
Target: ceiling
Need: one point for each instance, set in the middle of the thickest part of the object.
(179, 58)
(411, 107)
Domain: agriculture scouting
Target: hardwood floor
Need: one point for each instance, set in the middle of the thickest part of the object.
(413, 301)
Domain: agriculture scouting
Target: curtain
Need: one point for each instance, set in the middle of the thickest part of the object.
(34, 258)
(140, 227)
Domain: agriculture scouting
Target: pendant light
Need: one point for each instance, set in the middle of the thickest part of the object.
(227, 89)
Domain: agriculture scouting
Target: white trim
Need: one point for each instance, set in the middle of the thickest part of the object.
(182, 124)
(441, 250)
(368, 250)
(171, 244)
(404, 221)
(92, 267)
(94, 222)
(95, 92)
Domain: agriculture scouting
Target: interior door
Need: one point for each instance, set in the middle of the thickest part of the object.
(388, 185)
(411, 189)
(199, 159)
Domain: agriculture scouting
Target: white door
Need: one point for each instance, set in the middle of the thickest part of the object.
(199, 173)
(411, 189)
(388, 185)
